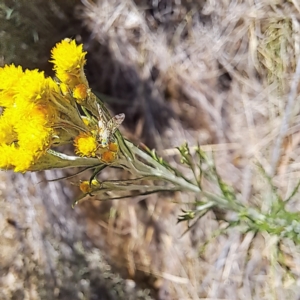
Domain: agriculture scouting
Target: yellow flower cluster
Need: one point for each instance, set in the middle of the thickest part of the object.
(86, 144)
(27, 117)
(69, 59)
(88, 187)
(36, 110)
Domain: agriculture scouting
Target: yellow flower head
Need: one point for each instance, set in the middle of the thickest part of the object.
(113, 146)
(87, 187)
(108, 156)
(7, 154)
(32, 86)
(80, 92)
(36, 136)
(68, 60)
(86, 145)
(12, 157)
(9, 77)
(22, 160)
(8, 134)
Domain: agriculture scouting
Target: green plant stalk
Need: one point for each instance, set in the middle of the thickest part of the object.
(144, 167)
(157, 170)
(150, 171)
(56, 160)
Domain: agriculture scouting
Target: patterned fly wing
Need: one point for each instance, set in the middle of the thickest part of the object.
(107, 129)
(101, 119)
(114, 123)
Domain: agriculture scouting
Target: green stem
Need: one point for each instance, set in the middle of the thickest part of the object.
(57, 160)
(157, 169)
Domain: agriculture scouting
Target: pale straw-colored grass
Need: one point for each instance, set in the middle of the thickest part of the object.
(221, 72)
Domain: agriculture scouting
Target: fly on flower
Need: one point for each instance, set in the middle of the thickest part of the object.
(106, 130)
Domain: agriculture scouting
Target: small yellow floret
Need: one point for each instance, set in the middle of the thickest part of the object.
(7, 153)
(87, 186)
(32, 86)
(8, 134)
(85, 145)
(12, 157)
(114, 147)
(68, 59)
(22, 160)
(108, 156)
(9, 77)
(80, 92)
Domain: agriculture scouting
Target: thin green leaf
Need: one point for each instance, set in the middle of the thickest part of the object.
(294, 192)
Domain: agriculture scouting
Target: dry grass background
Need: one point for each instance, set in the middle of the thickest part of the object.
(214, 72)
